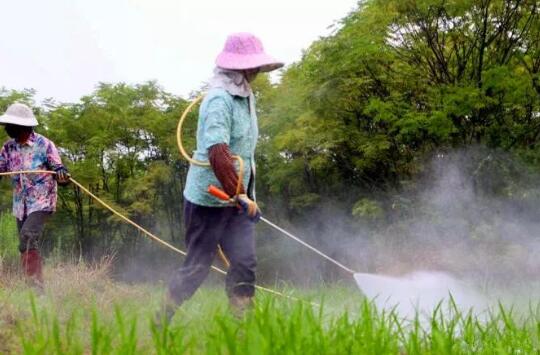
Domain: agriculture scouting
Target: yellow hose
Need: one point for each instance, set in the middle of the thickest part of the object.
(140, 228)
(179, 135)
(148, 233)
(104, 204)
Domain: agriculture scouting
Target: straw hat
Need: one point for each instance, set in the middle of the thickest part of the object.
(244, 51)
(19, 114)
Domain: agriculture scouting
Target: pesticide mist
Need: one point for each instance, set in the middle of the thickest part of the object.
(420, 293)
(466, 227)
(472, 234)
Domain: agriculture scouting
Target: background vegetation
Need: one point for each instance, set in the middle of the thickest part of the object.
(348, 128)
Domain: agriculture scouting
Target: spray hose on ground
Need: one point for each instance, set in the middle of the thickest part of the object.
(140, 228)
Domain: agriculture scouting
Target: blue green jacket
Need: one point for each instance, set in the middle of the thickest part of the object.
(223, 118)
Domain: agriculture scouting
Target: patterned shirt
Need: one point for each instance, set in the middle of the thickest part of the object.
(31, 192)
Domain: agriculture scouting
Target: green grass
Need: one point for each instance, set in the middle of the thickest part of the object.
(9, 241)
(83, 312)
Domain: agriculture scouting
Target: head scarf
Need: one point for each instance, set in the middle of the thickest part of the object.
(233, 81)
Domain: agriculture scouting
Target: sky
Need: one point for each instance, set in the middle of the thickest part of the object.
(64, 48)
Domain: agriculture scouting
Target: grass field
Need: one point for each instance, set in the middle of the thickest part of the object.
(82, 311)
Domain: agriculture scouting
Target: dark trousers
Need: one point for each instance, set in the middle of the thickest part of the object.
(30, 230)
(206, 228)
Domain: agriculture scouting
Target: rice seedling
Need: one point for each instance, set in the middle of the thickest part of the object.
(101, 316)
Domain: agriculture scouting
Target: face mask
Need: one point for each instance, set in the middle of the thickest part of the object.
(17, 132)
(12, 131)
(251, 74)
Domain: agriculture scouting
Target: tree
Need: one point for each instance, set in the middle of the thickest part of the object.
(396, 80)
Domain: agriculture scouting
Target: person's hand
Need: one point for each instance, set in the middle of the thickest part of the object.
(62, 176)
(249, 207)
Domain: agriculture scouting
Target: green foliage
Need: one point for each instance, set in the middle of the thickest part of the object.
(366, 208)
(7, 97)
(275, 326)
(9, 240)
(396, 80)
(304, 201)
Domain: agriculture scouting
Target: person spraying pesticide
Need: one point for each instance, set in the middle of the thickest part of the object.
(227, 129)
(34, 194)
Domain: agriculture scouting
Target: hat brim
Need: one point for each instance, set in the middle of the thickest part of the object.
(262, 61)
(27, 122)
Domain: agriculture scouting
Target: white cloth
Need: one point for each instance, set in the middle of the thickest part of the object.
(234, 82)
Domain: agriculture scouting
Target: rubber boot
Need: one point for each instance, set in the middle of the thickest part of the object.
(33, 267)
(240, 304)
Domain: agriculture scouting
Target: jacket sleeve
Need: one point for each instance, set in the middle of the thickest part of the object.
(3, 160)
(222, 163)
(53, 158)
(217, 123)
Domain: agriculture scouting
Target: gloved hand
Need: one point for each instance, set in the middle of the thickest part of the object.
(62, 176)
(249, 207)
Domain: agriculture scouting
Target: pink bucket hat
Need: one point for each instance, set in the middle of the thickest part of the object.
(244, 51)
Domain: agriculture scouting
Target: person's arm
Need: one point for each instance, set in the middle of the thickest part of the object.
(55, 163)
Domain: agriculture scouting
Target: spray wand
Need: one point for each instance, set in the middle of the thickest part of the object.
(222, 195)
